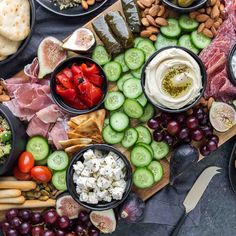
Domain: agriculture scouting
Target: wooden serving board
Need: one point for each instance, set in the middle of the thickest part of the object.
(147, 193)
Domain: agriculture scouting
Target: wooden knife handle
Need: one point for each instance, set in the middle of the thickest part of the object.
(179, 224)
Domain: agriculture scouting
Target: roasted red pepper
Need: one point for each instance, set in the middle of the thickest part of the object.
(66, 94)
(90, 70)
(76, 69)
(64, 80)
(68, 73)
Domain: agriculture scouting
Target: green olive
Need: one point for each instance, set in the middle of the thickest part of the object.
(185, 3)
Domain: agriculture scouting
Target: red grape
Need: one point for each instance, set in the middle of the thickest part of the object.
(184, 133)
(80, 229)
(50, 217)
(15, 222)
(5, 226)
(215, 138)
(199, 113)
(192, 122)
(63, 222)
(11, 214)
(25, 228)
(197, 135)
(48, 233)
(204, 151)
(205, 120)
(165, 117)
(154, 123)
(207, 130)
(11, 232)
(83, 216)
(24, 214)
(211, 145)
(37, 230)
(93, 231)
(180, 118)
(36, 218)
(173, 127)
(168, 139)
(157, 136)
(60, 233)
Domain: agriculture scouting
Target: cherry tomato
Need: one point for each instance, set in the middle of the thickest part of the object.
(41, 174)
(21, 176)
(25, 162)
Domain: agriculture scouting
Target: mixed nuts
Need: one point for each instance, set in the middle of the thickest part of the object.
(3, 92)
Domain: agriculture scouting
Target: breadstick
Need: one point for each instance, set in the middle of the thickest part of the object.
(29, 204)
(10, 193)
(8, 178)
(22, 185)
(13, 200)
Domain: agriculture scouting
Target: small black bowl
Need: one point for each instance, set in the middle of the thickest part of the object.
(102, 205)
(203, 73)
(232, 169)
(195, 6)
(58, 100)
(232, 76)
(26, 41)
(18, 142)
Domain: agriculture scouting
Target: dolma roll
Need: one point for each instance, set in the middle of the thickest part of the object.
(131, 12)
(120, 28)
(106, 36)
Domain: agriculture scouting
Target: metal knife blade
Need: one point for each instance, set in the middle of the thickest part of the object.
(198, 188)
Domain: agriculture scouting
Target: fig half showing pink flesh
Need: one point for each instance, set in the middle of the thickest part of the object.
(50, 54)
(82, 40)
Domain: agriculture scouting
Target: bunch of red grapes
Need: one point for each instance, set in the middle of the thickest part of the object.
(48, 223)
(180, 128)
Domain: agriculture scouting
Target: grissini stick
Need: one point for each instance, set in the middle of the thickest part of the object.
(22, 185)
(13, 200)
(9, 193)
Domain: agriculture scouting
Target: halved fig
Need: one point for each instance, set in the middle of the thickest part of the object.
(67, 206)
(105, 221)
(50, 54)
(82, 40)
(222, 116)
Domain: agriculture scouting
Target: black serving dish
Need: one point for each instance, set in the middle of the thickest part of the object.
(195, 6)
(232, 169)
(203, 73)
(26, 41)
(70, 12)
(57, 99)
(232, 76)
(102, 205)
(18, 142)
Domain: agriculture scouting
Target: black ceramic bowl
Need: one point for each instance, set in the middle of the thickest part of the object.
(102, 205)
(18, 142)
(232, 169)
(203, 73)
(232, 75)
(57, 99)
(26, 41)
(195, 6)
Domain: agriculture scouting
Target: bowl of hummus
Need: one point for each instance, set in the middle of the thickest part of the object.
(174, 79)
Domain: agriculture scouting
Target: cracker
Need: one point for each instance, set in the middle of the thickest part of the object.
(7, 46)
(15, 19)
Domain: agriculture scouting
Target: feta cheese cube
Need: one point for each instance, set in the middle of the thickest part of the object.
(88, 155)
(120, 183)
(78, 167)
(103, 183)
(115, 156)
(81, 182)
(107, 198)
(106, 171)
(78, 190)
(120, 163)
(117, 193)
(91, 182)
(92, 198)
(98, 154)
(93, 165)
(83, 197)
(102, 194)
(118, 173)
(75, 177)
(109, 160)
(86, 172)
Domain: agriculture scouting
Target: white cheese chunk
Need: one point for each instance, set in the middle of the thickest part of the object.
(117, 193)
(83, 197)
(103, 183)
(81, 182)
(78, 167)
(91, 182)
(106, 171)
(118, 173)
(120, 183)
(120, 163)
(93, 165)
(86, 172)
(109, 160)
(92, 198)
(88, 155)
(115, 156)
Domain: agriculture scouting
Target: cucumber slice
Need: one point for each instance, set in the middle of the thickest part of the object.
(143, 178)
(163, 42)
(185, 41)
(59, 180)
(137, 73)
(161, 149)
(121, 81)
(110, 136)
(188, 24)
(114, 100)
(137, 40)
(172, 30)
(132, 108)
(147, 47)
(156, 168)
(112, 70)
(130, 138)
(121, 59)
(140, 156)
(142, 100)
(147, 147)
(100, 55)
(148, 113)
(200, 40)
(58, 160)
(144, 135)
(132, 88)
(119, 121)
(134, 58)
(106, 122)
(39, 147)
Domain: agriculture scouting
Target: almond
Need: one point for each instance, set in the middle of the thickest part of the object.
(146, 3)
(153, 10)
(216, 24)
(208, 10)
(157, 2)
(145, 33)
(4, 98)
(90, 2)
(141, 6)
(203, 101)
(214, 31)
(209, 23)
(145, 22)
(84, 4)
(201, 27)
(153, 37)
(153, 29)
(218, 3)
(1, 89)
(215, 12)
(193, 14)
(146, 11)
(202, 17)
(207, 33)
(222, 8)
(212, 2)
(143, 15)
(151, 20)
(161, 21)
(209, 102)
(202, 10)
(161, 11)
